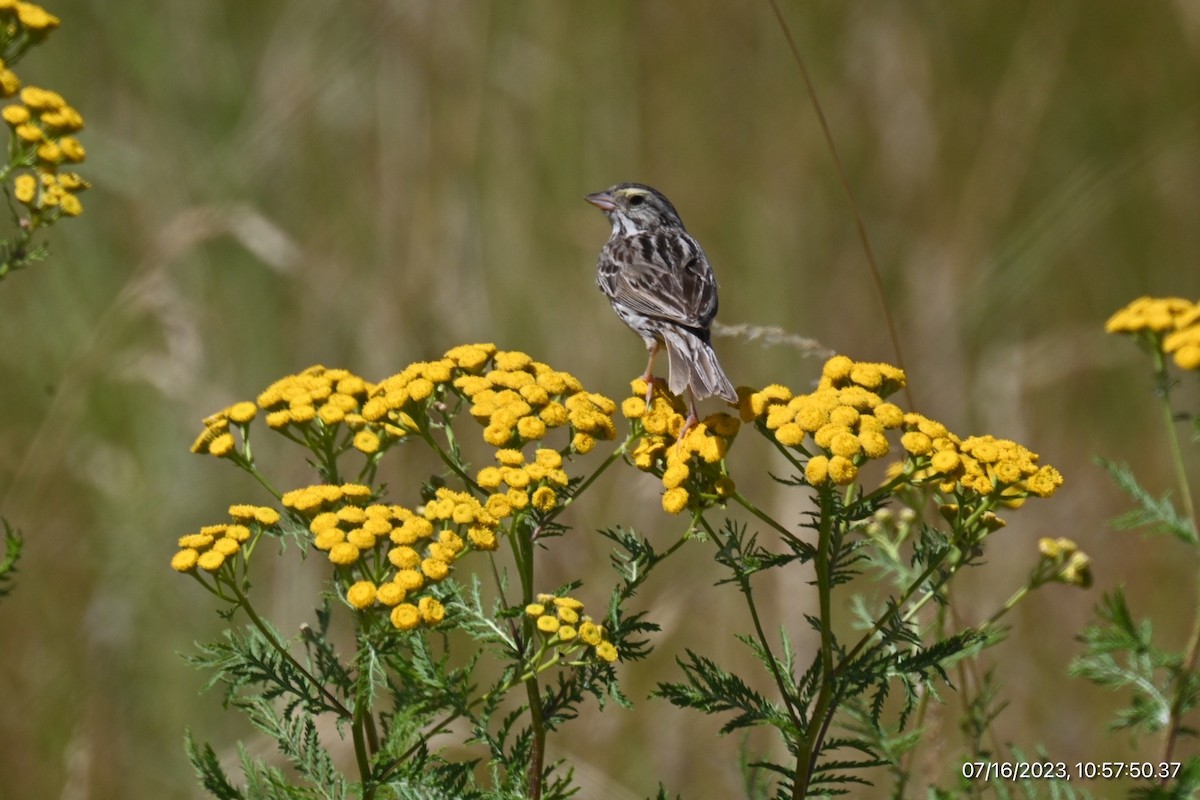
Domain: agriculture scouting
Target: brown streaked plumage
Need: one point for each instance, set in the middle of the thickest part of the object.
(661, 285)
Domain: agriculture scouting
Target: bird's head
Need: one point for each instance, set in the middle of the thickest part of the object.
(635, 208)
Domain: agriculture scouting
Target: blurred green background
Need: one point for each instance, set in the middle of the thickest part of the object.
(365, 184)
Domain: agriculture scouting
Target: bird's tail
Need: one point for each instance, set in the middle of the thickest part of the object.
(693, 364)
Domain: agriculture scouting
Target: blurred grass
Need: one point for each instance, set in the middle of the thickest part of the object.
(284, 183)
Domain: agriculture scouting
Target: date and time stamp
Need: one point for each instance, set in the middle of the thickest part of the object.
(1012, 771)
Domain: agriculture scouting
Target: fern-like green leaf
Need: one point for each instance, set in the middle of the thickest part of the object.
(1158, 514)
(714, 691)
(13, 542)
(208, 770)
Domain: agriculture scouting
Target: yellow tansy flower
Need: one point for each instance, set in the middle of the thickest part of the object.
(242, 412)
(15, 114)
(543, 498)
(405, 616)
(25, 188)
(36, 18)
(361, 594)
(389, 594)
(343, 554)
(590, 632)
(72, 149)
(606, 651)
(221, 445)
(816, 471)
(842, 470)
(674, 500)
(432, 611)
(185, 560)
(366, 441)
(210, 560)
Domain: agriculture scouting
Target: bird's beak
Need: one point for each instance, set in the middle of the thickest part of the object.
(602, 200)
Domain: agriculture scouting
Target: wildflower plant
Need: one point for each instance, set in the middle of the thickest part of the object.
(446, 651)
(1122, 651)
(396, 569)
(860, 701)
(38, 176)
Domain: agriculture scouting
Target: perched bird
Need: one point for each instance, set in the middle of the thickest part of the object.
(661, 285)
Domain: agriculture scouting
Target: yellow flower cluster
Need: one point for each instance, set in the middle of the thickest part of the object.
(315, 399)
(213, 545)
(692, 468)
(398, 398)
(560, 621)
(519, 400)
(538, 483)
(516, 399)
(216, 438)
(844, 422)
(1184, 344)
(17, 18)
(328, 397)
(10, 84)
(1172, 323)
(840, 425)
(1071, 565)
(43, 127)
(312, 500)
(980, 465)
(391, 554)
(1153, 314)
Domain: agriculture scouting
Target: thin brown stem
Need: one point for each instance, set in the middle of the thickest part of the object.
(859, 223)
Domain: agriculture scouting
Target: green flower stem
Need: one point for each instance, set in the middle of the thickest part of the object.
(1192, 652)
(262, 479)
(360, 748)
(366, 475)
(244, 604)
(821, 714)
(787, 453)
(1163, 380)
(537, 756)
(744, 583)
(822, 710)
(214, 589)
(323, 449)
(533, 692)
(608, 462)
(913, 588)
(1009, 604)
(499, 581)
(359, 715)
(423, 740)
(523, 552)
(741, 500)
(445, 724)
(893, 611)
(453, 464)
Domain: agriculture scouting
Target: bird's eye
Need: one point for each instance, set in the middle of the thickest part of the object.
(637, 199)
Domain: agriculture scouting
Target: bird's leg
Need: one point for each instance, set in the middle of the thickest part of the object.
(648, 375)
(692, 417)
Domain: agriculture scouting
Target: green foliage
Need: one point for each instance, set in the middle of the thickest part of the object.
(1121, 653)
(37, 188)
(456, 688)
(431, 656)
(13, 542)
(1158, 514)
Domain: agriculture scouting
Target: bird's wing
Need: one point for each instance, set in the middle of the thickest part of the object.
(661, 275)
